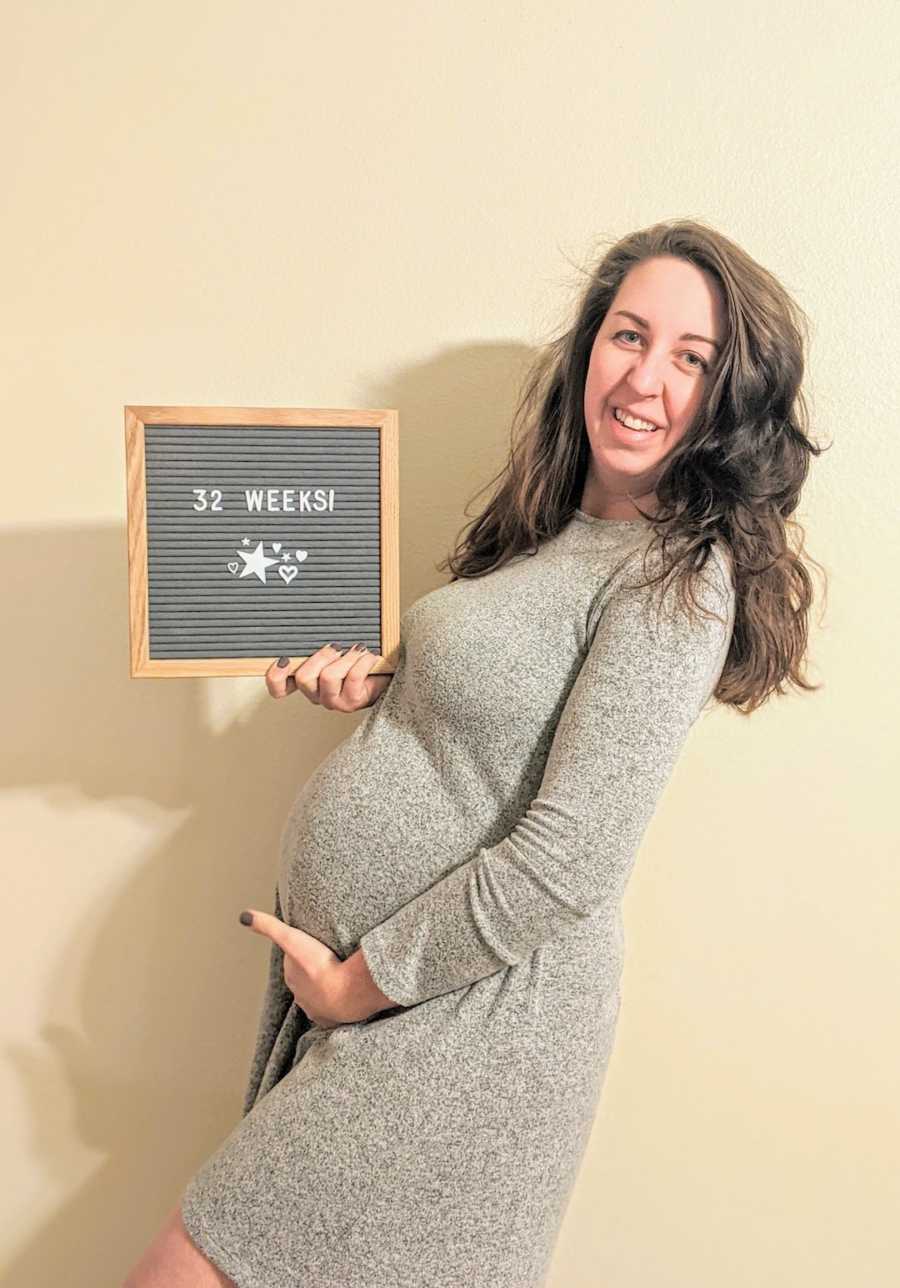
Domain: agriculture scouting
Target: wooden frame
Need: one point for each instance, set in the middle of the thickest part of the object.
(136, 418)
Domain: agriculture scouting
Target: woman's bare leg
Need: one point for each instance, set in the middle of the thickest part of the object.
(173, 1260)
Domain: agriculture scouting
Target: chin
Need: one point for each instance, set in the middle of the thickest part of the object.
(621, 460)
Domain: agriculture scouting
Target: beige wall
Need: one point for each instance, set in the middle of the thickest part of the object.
(380, 205)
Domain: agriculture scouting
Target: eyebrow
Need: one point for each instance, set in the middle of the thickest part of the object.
(688, 335)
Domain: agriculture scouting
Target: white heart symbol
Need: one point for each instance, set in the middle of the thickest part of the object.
(287, 573)
(233, 565)
(276, 546)
(301, 555)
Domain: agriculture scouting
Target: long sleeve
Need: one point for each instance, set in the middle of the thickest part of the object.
(645, 678)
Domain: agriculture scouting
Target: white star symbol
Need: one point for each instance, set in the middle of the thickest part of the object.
(246, 541)
(255, 563)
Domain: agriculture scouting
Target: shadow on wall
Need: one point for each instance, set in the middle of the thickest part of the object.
(146, 1071)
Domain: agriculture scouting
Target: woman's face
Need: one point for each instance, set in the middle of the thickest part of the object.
(647, 368)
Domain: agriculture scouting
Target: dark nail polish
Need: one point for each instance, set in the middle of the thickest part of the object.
(283, 661)
(246, 918)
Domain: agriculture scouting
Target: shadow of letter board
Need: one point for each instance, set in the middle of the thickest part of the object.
(255, 532)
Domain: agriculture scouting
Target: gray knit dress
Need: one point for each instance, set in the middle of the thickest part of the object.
(473, 834)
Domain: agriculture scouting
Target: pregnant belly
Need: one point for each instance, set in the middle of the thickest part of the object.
(364, 835)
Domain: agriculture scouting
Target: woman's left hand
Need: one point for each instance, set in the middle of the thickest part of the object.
(311, 970)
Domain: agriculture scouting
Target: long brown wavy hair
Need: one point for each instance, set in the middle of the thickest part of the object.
(734, 478)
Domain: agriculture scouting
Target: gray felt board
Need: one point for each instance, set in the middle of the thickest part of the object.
(262, 540)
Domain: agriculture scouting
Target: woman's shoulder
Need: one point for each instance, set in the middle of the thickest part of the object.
(720, 552)
(711, 586)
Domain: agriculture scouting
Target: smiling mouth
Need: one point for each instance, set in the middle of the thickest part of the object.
(630, 435)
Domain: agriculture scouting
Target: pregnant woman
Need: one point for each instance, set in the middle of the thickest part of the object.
(447, 942)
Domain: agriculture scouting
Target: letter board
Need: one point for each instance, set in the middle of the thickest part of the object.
(255, 532)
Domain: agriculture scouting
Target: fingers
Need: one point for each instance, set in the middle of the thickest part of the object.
(342, 684)
(332, 678)
(263, 923)
(279, 678)
(281, 681)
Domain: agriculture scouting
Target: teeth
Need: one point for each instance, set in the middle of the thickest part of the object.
(632, 423)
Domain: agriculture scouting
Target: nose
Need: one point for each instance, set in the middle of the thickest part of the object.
(645, 375)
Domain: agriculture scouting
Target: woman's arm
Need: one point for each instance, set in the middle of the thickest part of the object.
(643, 683)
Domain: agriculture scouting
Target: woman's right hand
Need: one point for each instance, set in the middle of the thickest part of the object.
(330, 678)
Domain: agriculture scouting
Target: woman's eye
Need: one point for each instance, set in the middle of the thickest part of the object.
(703, 365)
